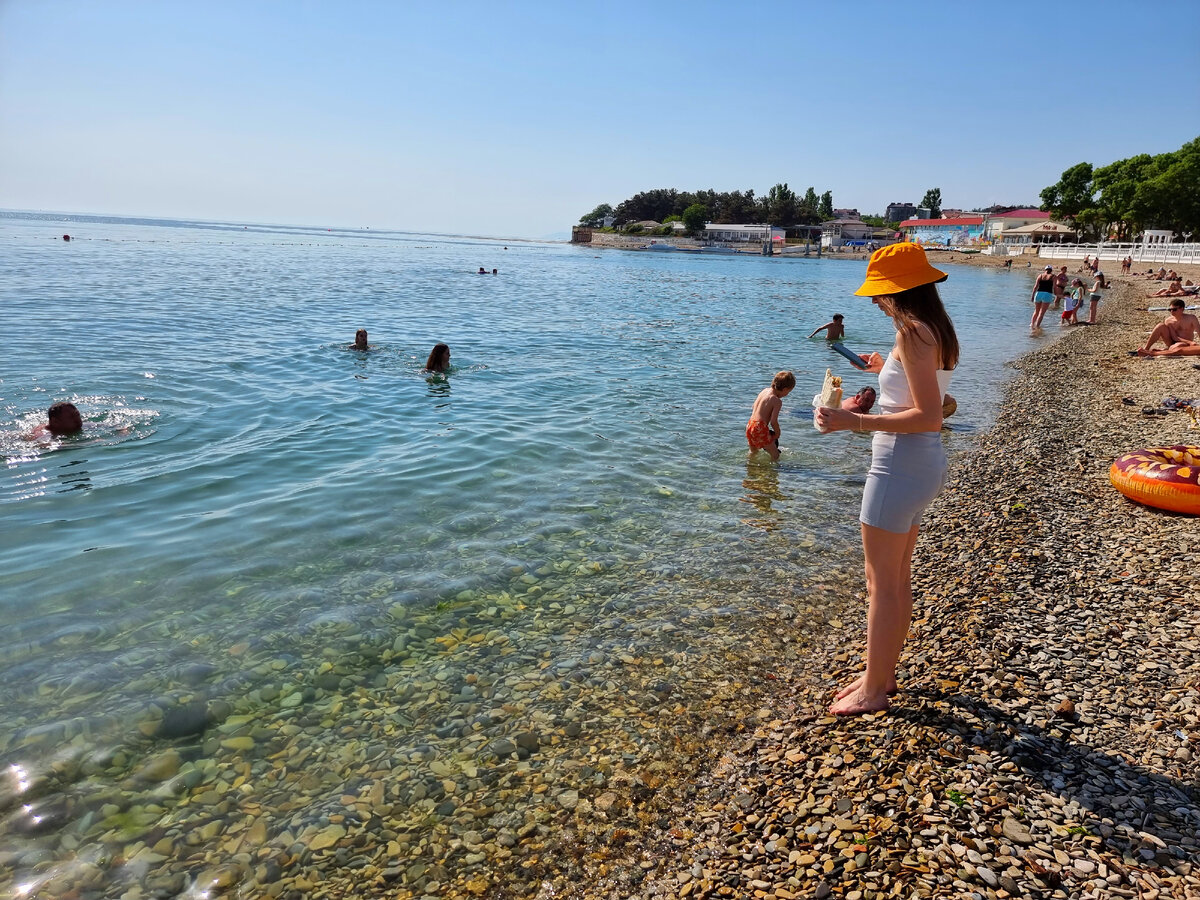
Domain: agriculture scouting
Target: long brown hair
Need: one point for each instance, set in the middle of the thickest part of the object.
(439, 358)
(923, 304)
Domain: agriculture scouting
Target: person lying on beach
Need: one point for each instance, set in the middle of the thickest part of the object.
(62, 419)
(1174, 289)
(360, 340)
(1178, 332)
(439, 359)
(762, 431)
(834, 331)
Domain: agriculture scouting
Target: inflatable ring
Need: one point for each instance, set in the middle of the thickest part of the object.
(1165, 477)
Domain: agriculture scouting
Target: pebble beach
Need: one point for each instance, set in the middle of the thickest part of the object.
(1046, 737)
(1044, 742)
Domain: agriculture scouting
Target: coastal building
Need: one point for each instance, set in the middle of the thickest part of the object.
(898, 212)
(1039, 233)
(963, 231)
(998, 223)
(839, 232)
(854, 233)
(742, 233)
(846, 214)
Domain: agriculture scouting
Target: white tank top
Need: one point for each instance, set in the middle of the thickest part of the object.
(894, 393)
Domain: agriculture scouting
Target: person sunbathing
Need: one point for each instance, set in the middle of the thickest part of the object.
(1178, 333)
(1174, 289)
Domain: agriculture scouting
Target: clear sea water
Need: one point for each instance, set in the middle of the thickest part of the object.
(251, 499)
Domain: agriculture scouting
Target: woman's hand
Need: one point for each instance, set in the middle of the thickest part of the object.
(830, 419)
(874, 362)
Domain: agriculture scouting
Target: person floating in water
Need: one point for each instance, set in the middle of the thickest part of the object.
(834, 331)
(762, 431)
(62, 419)
(360, 340)
(482, 270)
(439, 359)
(860, 402)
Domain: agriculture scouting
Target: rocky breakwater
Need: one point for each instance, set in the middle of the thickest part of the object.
(1047, 736)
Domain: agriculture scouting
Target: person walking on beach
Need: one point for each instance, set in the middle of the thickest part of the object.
(1042, 297)
(762, 431)
(834, 331)
(1094, 298)
(908, 460)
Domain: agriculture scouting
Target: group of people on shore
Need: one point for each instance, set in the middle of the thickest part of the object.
(908, 459)
(1050, 289)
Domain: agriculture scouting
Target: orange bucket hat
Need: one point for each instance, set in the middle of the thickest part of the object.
(896, 268)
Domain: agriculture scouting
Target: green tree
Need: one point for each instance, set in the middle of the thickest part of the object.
(1071, 194)
(781, 206)
(595, 218)
(932, 201)
(825, 207)
(695, 217)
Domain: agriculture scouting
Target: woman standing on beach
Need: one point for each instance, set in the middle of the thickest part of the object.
(1042, 297)
(908, 461)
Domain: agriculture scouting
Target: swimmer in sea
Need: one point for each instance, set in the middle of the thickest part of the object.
(62, 419)
(834, 331)
(360, 340)
(439, 359)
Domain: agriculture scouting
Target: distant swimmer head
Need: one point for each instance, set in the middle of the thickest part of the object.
(66, 237)
(439, 358)
(64, 418)
(360, 339)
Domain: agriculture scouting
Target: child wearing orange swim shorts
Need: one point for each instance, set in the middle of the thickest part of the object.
(762, 431)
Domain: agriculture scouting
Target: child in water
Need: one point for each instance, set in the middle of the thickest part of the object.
(834, 331)
(762, 431)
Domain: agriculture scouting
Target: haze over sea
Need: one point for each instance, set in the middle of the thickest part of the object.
(260, 528)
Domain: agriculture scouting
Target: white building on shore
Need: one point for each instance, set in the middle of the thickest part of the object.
(742, 233)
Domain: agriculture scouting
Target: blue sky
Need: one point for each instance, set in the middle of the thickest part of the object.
(514, 119)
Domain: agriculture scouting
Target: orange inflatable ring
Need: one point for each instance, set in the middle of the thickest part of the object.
(1166, 477)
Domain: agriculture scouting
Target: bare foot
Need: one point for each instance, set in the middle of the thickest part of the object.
(892, 688)
(857, 702)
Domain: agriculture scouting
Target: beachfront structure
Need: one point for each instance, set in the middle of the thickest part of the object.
(742, 233)
(1038, 233)
(839, 232)
(898, 212)
(964, 231)
(998, 223)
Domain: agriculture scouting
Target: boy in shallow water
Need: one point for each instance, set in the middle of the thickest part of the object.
(762, 431)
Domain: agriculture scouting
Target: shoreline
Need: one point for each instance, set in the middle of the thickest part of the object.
(1047, 736)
